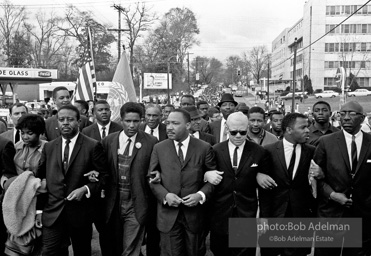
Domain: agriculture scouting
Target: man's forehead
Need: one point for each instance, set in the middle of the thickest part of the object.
(352, 106)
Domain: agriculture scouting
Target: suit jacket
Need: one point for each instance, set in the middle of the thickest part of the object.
(52, 129)
(236, 193)
(215, 129)
(139, 164)
(8, 135)
(208, 138)
(92, 131)
(87, 155)
(295, 193)
(7, 153)
(204, 126)
(182, 181)
(161, 130)
(332, 156)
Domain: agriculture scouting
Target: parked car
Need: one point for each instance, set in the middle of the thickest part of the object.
(326, 94)
(239, 93)
(298, 95)
(359, 92)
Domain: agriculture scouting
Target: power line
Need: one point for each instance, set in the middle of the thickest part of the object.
(328, 32)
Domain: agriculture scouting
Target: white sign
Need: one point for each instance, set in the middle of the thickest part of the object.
(29, 73)
(157, 81)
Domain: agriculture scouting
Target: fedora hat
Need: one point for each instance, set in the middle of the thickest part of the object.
(193, 111)
(227, 97)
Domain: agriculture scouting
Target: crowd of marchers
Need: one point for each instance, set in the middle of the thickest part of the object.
(169, 178)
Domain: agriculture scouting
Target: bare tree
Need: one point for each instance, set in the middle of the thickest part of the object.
(138, 18)
(258, 60)
(11, 21)
(48, 39)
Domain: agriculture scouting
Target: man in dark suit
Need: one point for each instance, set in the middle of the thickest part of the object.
(61, 97)
(182, 161)
(195, 128)
(15, 112)
(104, 125)
(153, 123)
(126, 207)
(227, 105)
(345, 191)
(289, 163)
(8, 170)
(68, 210)
(238, 161)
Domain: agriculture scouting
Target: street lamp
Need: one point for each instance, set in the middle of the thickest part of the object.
(168, 82)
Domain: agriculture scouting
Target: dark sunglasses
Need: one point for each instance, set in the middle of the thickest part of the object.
(234, 133)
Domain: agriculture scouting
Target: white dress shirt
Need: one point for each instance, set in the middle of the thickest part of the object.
(231, 148)
(348, 141)
(196, 135)
(223, 125)
(71, 146)
(101, 130)
(123, 142)
(184, 147)
(155, 131)
(288, 148)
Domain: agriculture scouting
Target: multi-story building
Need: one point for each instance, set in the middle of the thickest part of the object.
(346, 45)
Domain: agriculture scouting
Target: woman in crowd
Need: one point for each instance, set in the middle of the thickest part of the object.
(27, 157)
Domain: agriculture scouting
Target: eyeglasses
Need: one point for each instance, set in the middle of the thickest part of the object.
(234, 133)
(350, 113)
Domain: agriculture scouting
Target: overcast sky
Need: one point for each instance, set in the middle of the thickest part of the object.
(227, 27)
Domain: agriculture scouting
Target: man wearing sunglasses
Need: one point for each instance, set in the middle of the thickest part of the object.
(345, 159)
(238, 162)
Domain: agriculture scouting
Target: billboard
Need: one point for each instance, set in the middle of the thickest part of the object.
(156, 81)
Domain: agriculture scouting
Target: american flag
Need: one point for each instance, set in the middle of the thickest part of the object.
(86, 82)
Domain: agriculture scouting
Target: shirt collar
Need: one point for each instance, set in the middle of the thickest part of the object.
(184, 142)
(124, 137)
(107, 126)
(73, 140)
(286, 143)
(232, 146)
(349, 136)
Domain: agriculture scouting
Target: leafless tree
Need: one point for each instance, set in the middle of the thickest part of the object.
(48, 39)
(257, 60)
(138, 18)
(11, 21)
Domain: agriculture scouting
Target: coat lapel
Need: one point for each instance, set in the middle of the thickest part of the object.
(58, 145)
(138, 139)
(343, 149)
(96, 131)
(244, 157)
(364, 149)
(190, 151)
(114, 149)
(303, 158)
(76, 150)
(226, 157)
(281, 157)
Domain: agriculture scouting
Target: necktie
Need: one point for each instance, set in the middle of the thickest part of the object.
(235, 158)
(354, 154)
(126, 152)
(152, 132)
(103, 132)
(180, 153)
(17, 137)
(66, 154)
(290, 170)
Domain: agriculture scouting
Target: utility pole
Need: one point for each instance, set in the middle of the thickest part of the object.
(294, 78)
(119, 30)
(189, 84)
(268, 80)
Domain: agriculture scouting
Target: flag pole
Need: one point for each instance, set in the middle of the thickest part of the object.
(92, 62)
